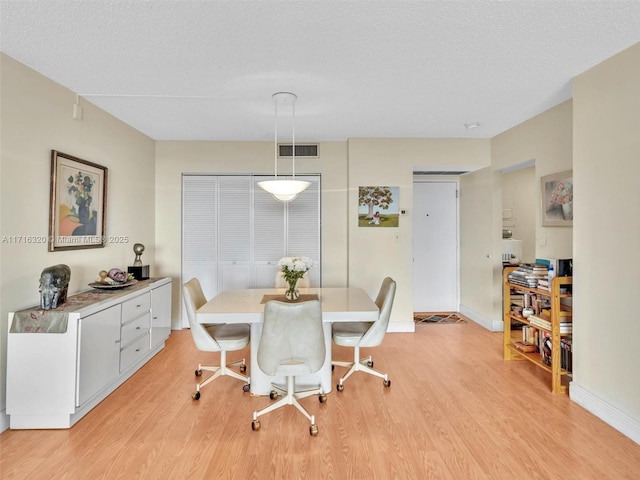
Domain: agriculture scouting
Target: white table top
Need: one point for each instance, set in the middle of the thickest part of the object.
(347, 304)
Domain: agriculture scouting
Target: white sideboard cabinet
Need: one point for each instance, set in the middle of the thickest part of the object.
(54, 379)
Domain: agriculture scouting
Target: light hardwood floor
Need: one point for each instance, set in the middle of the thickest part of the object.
(455, 410)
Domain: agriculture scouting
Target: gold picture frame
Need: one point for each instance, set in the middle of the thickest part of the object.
(557, 199)
(78, 203)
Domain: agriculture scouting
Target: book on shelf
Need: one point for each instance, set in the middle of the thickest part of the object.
(534, 267)
(517, 299)
(529, 281)
(529, 335)
(543, 284)
(564, 327)
(528, 275)
(545, 346)
(566, 354)
(565, 313)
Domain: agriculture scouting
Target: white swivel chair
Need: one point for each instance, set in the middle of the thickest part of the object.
(365, 334)
(221, 338)
(292, 343)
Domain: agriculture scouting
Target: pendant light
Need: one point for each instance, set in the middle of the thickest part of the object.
(284, 190)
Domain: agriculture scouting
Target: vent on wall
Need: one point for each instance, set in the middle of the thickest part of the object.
(303, 150)
(440, 172)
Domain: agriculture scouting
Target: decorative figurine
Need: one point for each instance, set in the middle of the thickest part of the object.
(138, 270)
(54, 283)
(138, 248)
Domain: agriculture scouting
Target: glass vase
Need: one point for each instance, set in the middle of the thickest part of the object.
(292, 293)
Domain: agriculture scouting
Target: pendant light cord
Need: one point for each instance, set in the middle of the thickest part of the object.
(293, 141)
(275, 129)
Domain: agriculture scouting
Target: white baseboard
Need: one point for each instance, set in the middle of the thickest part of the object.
(606, 412)
(491, 325)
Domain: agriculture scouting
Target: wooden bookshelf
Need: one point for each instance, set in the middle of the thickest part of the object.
(554, 296)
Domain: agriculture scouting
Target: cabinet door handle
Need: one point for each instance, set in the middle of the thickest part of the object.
(138, 328)
(138, 306)
(137, 349)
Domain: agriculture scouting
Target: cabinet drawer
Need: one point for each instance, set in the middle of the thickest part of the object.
(134, 352)
(134, 329)
(134, 307)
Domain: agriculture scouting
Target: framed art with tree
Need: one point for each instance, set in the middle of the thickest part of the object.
(378, 206)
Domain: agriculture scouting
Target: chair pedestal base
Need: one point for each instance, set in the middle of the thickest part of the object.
(291, 397)
(223, 369)
(359, 365)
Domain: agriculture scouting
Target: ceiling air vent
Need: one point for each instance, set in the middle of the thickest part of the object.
(440, 172)
(303, 150)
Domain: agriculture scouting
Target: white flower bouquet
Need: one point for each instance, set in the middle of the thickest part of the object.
(293, 269)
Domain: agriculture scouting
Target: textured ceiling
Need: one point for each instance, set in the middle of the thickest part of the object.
(206, 70)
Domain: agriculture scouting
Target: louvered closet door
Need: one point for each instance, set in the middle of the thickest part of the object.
(303, 227)
(235, 269)
(234, 233)
(286, 229)
(199, 233)
(269, 234)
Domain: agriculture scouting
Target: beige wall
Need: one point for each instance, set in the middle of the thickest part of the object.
(175, 158)
(375, 253)
(548, 139)
(345, 258)
(480, 248)
(607, 235)
(520, 191)
(36, 117)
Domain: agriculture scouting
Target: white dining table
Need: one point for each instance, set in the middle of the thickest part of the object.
(347, 304)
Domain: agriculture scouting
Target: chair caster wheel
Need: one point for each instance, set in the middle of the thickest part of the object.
(246, 387)
(198, 373)
(333, 367)
(313, 430)
(370, 363)
(243, 368)
(255, 425)
(322, 398)
(273, 394)
(387, 383)
(196, 396)
(339, 387)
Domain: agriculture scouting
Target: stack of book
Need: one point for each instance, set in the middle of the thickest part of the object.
(528, 274)
(517, 299)
(539, 321)
(544, 284)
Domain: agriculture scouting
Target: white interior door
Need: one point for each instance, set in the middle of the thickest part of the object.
(435, 247)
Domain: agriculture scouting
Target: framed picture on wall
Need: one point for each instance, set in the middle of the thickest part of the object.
(378, 206)
(557, 199)
(77, 210)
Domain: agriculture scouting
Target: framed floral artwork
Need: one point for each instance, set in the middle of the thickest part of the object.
(78, 208)
(557, 199)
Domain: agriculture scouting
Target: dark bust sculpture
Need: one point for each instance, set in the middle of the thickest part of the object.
(54, 283)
